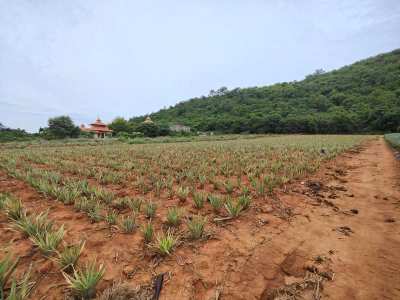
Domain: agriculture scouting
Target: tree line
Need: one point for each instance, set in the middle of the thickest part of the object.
(362, 97)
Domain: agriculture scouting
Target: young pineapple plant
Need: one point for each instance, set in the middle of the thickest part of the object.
(150, 209)
(158, 186)
(165, 243)
(199, 199)
(83, 282)
(148, 232)
(3, 200)
(14, 209)
(174, 215)
(229, 187)
(244, 201)
(136, 204)
(202, 180)
(245, 191)
(7, 268)
(128, 223)
(216, 202)
(122, 203)
(48, 241)
(196, 226)
(182, 193)
(216, 184)
(111, 217)
(68, 258)
(34, 226)
(20, 290)
(233, 208)
(87, 204)
(95, 214)
(260, 188)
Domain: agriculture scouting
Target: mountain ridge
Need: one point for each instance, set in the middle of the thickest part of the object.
(361, 97)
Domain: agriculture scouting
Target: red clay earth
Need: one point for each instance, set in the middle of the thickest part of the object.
(335, 235)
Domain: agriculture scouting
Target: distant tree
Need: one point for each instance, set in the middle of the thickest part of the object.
(148, 129)
(119, 124)
(9, 135)
(220, 92)
(319, 71)
(60, 127)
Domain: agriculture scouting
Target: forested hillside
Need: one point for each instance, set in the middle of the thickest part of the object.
(362, 97)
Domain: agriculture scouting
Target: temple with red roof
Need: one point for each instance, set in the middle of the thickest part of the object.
(98, 128)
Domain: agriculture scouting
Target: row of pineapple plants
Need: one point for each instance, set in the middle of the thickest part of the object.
(91, 199)
(49, 240)
(153, 170)
(48, 185)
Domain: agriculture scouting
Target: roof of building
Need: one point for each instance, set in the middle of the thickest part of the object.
(148, 120)
(97, 126)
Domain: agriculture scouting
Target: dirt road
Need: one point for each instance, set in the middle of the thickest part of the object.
(368, 261)
(356, 237)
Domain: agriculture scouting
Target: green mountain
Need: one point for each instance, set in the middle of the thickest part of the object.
(362, 97)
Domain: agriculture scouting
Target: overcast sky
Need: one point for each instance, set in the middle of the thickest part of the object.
(108, 58)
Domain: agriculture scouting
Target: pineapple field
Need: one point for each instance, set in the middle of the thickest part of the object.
(175, 221)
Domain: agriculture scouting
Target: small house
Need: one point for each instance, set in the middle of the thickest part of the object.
(179, 128)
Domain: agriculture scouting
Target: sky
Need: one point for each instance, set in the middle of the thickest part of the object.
(102, 58)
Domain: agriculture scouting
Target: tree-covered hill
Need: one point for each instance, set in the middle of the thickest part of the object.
(362, 97)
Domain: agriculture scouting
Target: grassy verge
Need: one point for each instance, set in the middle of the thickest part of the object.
(393, 139)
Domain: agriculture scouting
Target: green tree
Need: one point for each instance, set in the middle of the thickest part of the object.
(61, 127)
(119, 124)
(148, 129)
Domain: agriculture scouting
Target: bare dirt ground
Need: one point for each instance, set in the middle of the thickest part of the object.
(335, 235)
